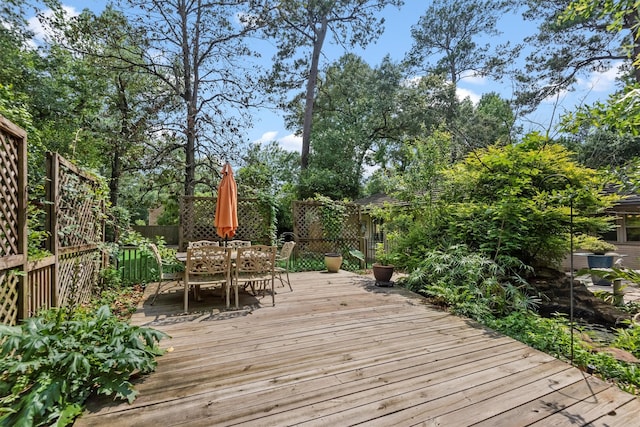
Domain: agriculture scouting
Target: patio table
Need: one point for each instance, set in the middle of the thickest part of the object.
(182, 256)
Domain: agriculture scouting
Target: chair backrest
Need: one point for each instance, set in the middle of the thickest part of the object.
(256, 259)
(208, 261)
(285, 252)
(156, 255)
(199, 243)
(238, 243)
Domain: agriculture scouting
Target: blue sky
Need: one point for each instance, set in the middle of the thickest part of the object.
(396, 41)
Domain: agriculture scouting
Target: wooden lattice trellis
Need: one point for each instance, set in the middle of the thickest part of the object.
(9, 297)
(13, 224)
(77, 273)
(313, 241)
(74, 222)
(197, 216)
(76, 230)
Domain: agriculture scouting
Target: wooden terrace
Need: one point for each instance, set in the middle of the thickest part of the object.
(340, 351)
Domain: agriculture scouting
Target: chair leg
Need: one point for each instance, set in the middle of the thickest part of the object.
(273, 291)
(186, 297)
(289, 281)
(226, 291)
(157, 292)
(236, 291)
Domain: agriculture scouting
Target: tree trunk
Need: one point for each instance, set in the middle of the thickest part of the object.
(310, 93)
(190, 96)
(631, 22)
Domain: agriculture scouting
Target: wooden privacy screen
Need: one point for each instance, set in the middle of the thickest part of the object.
(76, 230)
(313, 240)
(197, 214)
(13, 221)
(75, 222)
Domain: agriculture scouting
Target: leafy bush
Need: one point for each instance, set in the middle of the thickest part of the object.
(553, 336)
(51, 363)
(628, 339)
(593, 244)
(471, 284)
(515, 201)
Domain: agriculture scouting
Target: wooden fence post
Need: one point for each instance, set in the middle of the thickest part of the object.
(53, 170)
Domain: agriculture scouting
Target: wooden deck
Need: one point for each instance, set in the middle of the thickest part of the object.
(340, 351)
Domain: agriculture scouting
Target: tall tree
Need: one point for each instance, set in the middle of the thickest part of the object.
(446, 39)
(301, 28)
(576, 38)
(354, 112)
(268, 169)
(491, 121)
(130, 100)
(196, 49)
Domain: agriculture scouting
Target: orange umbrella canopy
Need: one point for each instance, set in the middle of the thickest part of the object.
(226, 219)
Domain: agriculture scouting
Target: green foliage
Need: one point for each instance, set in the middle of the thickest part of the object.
(267, 209)
(471, 284)
(449, 32)
(516, 201)
(573, 42)
(330, 181)
(37, 236)
(270, 170)
(553, 336)
(628, 339)
(357, 116)
(302, 28)
(615, 16)
(593, 244)
(332, 216)
(50, 364)
(545, 334)
(382, 256)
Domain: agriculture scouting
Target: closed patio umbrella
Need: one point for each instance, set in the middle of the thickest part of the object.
(226, 219)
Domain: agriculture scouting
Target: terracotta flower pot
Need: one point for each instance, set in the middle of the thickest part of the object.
(382, 273)
(332, 261)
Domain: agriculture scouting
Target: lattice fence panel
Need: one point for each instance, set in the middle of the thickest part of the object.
(252, 223)
(76, 220)
(197, 220)
(79, 216)
(13, 215)
(313, 241)
(9, 293)
(9, 182)
(77, 275)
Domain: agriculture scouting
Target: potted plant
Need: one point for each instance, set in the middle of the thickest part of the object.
(600, 256)
(596, 246)
(383, 267)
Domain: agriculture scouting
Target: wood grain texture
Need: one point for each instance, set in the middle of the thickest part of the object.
(340, 351)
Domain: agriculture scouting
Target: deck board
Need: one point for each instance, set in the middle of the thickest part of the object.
(340, 351)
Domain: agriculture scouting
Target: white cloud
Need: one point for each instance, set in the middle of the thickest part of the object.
(267, 137)
(463, 93)
(558, 98)
(291, 142)
(40, 32)
(601, 82)
(473, 78)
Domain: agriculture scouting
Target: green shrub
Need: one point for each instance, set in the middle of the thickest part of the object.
(51, 363)
(628, 339)
(515, 200)
(471, 284)
(553, 336)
